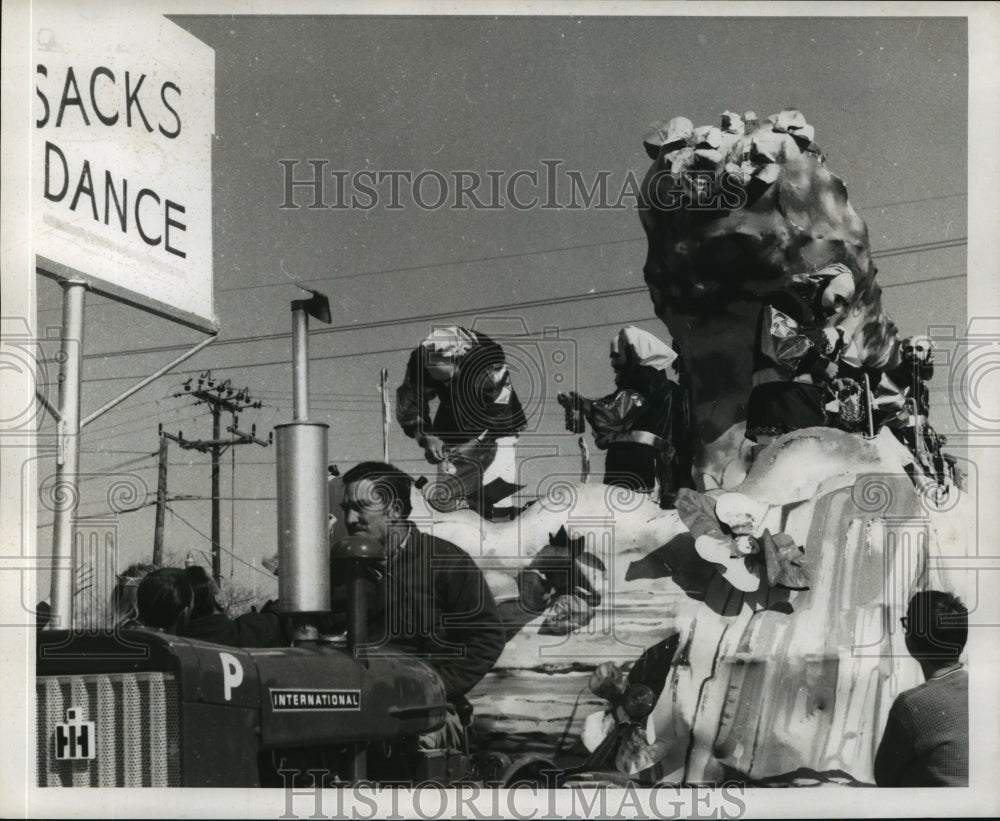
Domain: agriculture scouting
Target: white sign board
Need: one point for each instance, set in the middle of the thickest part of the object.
(124, 115)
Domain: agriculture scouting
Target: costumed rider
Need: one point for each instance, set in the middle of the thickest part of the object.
(644, 425)
(471, 438)
(796, 353)
(916, 367)
(911, 424)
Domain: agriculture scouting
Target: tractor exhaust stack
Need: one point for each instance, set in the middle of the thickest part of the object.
(303, 504)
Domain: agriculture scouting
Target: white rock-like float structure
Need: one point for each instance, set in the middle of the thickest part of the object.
(763, 687)
(778, 686)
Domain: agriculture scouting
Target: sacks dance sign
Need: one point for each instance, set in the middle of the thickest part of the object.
(122, 150)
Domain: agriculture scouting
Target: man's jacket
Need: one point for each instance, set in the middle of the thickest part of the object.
(431, 601)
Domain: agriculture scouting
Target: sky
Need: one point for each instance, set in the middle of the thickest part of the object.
(887, 96)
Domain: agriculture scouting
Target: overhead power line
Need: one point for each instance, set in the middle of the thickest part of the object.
(407, 348)
(921, 281)
(225, 550)
(921, 247)
(187, 498)
(388, 323)
(492, 309)
(537, 252)
(135, 425)
(516, 255)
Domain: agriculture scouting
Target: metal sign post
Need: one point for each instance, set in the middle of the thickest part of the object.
(68, 452)
(68, 427)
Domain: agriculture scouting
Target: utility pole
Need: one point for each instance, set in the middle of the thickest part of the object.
(161, 501)
(219, 396)
(216, 492)
(384, 390)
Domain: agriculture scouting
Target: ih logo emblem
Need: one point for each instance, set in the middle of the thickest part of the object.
(75, 739)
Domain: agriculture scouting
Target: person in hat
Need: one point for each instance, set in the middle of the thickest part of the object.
(644, 424)
(432, 598)
(472, 434)
(915, 370)
(796, 353)
(926, 738)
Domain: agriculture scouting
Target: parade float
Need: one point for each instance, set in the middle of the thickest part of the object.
(645, 657)
(747, 635)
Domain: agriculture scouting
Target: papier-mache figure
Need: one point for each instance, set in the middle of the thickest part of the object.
(732, 127)
(796, 353)
(670, 136)
(731, 123)
(709, 151)
(478, 418)
(564, 580)
(734, 532)
(644, 425)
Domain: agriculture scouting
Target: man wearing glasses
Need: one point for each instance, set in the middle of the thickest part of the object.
(926, 739)
(430, 598)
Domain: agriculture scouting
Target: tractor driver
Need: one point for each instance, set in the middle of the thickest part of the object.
(431, 600)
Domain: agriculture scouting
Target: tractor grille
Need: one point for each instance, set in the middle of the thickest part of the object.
(136, 730)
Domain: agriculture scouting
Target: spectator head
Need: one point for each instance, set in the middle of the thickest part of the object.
(166, 599)
(205, 592)
(937, 626)
(125, 610)
(376, 499)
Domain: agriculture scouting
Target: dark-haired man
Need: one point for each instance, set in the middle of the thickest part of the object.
(926, 739)
(432, 599)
